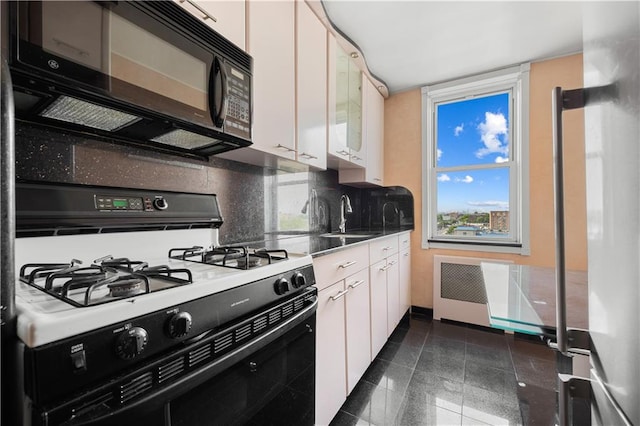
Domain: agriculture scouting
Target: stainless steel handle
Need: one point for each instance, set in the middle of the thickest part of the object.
(347, 264)
(308, 156)
(387, 248)
(356, 284)
(377, 179)
(561, 100)
(280, 146)
(205, 14)
(355, 157)
(406, 255)
(385, 267)
(339, 295)
(343, 152)
(392, 262)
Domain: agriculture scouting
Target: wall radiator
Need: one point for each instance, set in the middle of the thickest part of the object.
(458, 290)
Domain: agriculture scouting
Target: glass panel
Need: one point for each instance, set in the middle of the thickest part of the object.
(520, 297)
(473, 203)
(354, 140)
(473, 131)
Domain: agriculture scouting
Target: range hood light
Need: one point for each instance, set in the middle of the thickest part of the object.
(184, 139)
(84, 113)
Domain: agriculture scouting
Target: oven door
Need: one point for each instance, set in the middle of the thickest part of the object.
(270, 378)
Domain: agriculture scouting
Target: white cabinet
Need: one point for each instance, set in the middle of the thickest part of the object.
(378, 285)
(311, 74)
(225, 17)
(345, 109)
(343, 313)
(357, 325)
(405, 274)
(330, 352)
(359, 305)
(271, 43)
(373, 135)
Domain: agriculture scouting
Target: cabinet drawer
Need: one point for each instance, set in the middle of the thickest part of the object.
(337, 266)
(404, 241)
(382, 248)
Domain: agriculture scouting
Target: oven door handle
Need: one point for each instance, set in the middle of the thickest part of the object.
(157, 399)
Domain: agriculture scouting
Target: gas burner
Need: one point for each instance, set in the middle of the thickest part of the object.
(125, 287)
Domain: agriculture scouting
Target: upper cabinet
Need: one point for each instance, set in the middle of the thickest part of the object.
(288, 44)
(271, 42)
(311, 88)
(345, 109)
(373, 135)
(226, 17)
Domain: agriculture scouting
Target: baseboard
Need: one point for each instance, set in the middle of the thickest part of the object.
(419, 310)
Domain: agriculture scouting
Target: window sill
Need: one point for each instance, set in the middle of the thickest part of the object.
(481, 247)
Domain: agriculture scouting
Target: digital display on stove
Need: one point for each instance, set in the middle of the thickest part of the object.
(105, 202)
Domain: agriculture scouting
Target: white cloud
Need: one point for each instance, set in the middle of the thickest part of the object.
(459, 129)
(494, 134)
(443, 178)
(439, 153)
(500, 159)
(466, 179)
(498, 204)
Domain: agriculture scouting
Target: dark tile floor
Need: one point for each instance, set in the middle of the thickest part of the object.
(438, 373)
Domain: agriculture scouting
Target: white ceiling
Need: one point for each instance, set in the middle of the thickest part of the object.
(409, 44)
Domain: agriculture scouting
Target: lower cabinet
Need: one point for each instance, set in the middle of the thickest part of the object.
(356, 314)
(378, 307)
(343, 342)
(331, 369)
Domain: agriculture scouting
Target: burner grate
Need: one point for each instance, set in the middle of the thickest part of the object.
(108, 279)
(238, 257)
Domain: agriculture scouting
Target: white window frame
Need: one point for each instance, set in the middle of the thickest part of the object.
(516, 81)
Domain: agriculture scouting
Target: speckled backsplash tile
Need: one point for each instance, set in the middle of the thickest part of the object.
(254, 200)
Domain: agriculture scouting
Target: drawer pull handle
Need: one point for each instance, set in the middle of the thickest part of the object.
(356, 284)
(347, 264)
(339, 295)
(384, 268)
(405, 241)
(387, 248)
(406, 255)
(280, 146)
(308, 156)
(393, 262)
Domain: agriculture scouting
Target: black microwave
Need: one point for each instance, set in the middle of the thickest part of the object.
(143, 72)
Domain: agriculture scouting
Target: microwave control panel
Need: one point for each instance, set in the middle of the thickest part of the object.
(238, 118)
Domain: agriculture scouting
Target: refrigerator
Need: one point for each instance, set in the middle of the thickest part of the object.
(611, 102)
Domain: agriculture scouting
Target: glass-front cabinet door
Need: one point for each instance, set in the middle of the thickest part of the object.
(345, 107)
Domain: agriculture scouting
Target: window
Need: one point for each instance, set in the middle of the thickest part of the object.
(475, 169)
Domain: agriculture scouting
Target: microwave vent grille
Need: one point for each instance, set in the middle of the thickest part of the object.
(76, 111)
(184, 139)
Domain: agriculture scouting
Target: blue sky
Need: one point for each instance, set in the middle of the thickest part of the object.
(472, 132)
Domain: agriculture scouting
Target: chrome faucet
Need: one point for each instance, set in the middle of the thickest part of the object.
(345, 207)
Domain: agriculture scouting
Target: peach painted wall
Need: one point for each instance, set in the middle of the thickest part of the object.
(403, 165)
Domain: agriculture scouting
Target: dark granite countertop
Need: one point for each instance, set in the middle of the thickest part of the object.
(321, 244)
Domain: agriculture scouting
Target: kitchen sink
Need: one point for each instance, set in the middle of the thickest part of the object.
(339, 235)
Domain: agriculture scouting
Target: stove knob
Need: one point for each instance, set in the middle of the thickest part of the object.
(160, 203)
(298, 280)
(131, 342)
(281, 286)
(179, 325)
